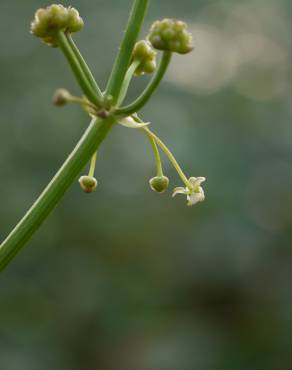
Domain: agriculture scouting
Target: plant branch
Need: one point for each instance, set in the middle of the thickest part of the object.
(126, 83)
(169, 155)
(92, 165)
(84, 67)
(76, 69)
(151, 87)
(156, 154)
(53, 193)
(123, 59)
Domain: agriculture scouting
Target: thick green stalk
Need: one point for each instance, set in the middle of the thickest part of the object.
(52, 194)
(76, 69)
(84, 67)
(151, 87)
(124, 56)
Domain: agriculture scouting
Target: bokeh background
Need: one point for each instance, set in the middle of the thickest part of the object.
(127, 279)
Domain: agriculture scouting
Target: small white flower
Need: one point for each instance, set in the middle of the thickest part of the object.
(131, 123)
(194, 193)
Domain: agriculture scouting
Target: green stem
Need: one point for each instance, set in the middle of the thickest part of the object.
(123, 59)
(92, 165)
(169, 155)
(152, 86)
(126, 83)
(84, 67)
(156, 154)
(75, 66)
(82, 102)
(52, 194)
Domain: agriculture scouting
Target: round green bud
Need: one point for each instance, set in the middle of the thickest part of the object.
(159, 183)
(48, 21)
(170, 35)
(88, 184)
(61, 97)
(144, 53)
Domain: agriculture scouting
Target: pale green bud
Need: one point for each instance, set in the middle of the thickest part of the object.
(48, 21)
(88, 184)
(61, 97)
(159, 183)
(144, 53)
(170, 35)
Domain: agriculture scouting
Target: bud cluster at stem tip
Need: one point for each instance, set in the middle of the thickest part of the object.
(170, 35)
(144, 53)
(48, 21)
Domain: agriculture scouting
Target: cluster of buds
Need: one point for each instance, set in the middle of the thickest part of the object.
(48, 21)
(144, 54)
(167, 35)
(171, 35)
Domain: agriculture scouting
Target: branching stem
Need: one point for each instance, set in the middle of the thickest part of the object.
(169, 155)
(52, 194)
(123, 59)
(84, 67)
(152, 86)
(76, 69)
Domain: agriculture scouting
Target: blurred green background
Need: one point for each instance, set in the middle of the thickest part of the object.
(127, 279)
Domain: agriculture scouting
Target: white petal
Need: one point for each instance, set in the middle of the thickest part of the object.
(197, 181)
(179, 190)
(131, 123)
(196, 197)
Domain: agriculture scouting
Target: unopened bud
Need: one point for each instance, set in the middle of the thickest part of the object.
(48, 21)
(159, 183)
(170, 35)
(61, 97)
(144, 53)
(88, 183)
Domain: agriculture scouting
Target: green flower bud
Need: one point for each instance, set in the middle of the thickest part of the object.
(48, 21)
(144, 53)
(61, 97)
(159, 183)
(88, 184)
(171, 35)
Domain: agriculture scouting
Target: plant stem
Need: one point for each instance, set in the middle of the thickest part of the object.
(92, 165)
(129, 75)
(52, 194)
(82, 102)
(156, 154)
(169, 155)
(84, 67)
(75, 66)
(152, 86)
(123, 59)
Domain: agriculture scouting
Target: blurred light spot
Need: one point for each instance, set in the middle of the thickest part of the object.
(211, 66)
(246, 44)
(264, 67)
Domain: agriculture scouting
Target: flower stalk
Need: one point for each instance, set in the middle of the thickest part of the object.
(77, 70)
(50, 197)
(123, 58)
(54, 25)
(150, 89)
